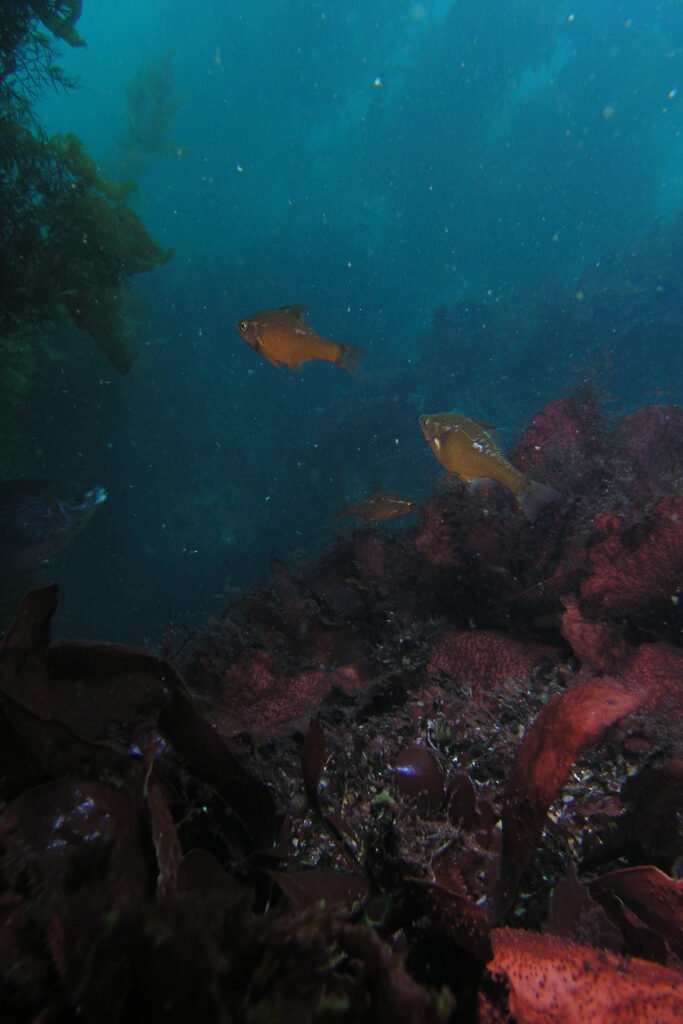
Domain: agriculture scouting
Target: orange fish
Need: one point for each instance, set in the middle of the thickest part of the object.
(465, 448)
(281, 336)
(379, 506)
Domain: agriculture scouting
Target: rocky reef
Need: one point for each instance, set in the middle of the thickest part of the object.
(432, 776)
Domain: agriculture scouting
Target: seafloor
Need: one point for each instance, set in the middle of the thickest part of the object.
(433, 776)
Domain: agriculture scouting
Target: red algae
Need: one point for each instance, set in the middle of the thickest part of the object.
(485, 659)
(551, 979)
(653, 898)
(652, 679)
(437, 536)
(367, 768)
(597, 645)
(636, 570)
(544, 759)
(653, 797)
(566, 432)
(648, 444)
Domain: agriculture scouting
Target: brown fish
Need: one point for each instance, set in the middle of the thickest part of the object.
(281, 336)
(379, 506)
(465, 448)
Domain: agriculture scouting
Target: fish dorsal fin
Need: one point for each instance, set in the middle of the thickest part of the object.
(485, 425)
(296, 310)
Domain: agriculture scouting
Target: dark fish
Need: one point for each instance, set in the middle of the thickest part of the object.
(282, 337)
(464, 447)
(39, 517)
(379, 506)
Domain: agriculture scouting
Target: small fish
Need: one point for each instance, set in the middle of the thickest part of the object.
(465, 449)
(379, 506)
(39, 517)
(281, 336)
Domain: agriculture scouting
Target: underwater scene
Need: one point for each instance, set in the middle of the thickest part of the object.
(341, 511)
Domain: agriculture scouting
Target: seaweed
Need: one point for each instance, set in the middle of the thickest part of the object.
(151, 104)
(69, 245)
(60, 18)
(371, 792)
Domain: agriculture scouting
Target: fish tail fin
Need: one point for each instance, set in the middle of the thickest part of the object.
(533, 496)
(351, 355)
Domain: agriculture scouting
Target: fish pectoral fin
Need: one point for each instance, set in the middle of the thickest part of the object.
(258, 347)
(475, 482)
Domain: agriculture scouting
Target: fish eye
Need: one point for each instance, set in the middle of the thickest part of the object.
(242, 325)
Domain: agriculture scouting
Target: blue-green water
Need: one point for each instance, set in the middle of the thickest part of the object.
(377, 161)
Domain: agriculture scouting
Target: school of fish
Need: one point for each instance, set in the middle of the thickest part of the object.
(40, 517)
(462, 445)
